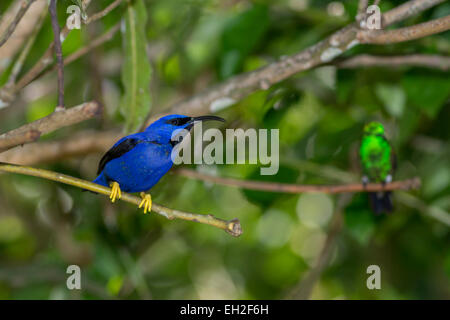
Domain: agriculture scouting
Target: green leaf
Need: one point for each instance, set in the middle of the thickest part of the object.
(427, 92)
(392, 97)
(240, 37)
(136, 71)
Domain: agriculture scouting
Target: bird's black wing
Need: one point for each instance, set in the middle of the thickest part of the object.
(117, 151)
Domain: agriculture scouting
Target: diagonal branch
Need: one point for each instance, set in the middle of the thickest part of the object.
(236, 88)
(406, 10)
(420, 60)
(54, 121)
(79, 144)
(301, 188)
(7, 94)
(232, 227)
(404, 34)
(19, 139)
(26, 49)
(12, 26)
(92, 44)
(105, 11)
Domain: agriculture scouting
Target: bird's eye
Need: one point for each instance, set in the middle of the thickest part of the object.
(178, 121)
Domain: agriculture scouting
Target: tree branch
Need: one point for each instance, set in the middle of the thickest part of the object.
(362, 7)
(80, 144)
(26, 49)
(232, 227)
(18, 139)
(7, 94)
(405, 34)
(92, 44)
(12, 26)
(105, 11)
(58, 53)
(236, 88)
(406, 10)
(54, 121)
(420, 60)
(299, 188)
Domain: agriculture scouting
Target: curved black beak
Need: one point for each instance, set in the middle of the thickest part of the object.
(207, 118)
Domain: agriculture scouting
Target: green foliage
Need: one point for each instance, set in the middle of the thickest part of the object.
(241, 35)
(427, 91)
(44, 227)
(136, 71)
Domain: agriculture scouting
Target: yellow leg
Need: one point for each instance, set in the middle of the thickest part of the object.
(146, 202)
(115, 192)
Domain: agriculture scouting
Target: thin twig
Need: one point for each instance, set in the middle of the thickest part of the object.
(8, 93)
(92, 44)
(301, 188)
(420, 60)
(26, 49)
(362, 7)
(56, 120)
(232, 227)
(86, 49)
(12, 26)
(404, 34)
(104, 12)
(58, 53)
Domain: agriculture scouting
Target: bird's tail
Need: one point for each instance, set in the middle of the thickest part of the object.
(381, 202)
(101, 180)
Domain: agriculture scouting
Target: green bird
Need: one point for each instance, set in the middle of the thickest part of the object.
(378, 162)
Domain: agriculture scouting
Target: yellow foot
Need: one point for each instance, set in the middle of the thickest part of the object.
(115, 192)
(146, 202)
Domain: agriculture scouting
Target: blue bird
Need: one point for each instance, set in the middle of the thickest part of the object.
(138, 161)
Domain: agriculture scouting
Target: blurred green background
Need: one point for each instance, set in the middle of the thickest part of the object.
(191, 45)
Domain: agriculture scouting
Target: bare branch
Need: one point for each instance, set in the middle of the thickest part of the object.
(92, 44)
(58, 53)
(47, 152)
(362, 7)
(420, 60)
(12, 26)
(7, 94)
(104, 12)
(56, 120)
(404, 34)
(406, 10)
(26, 49)
(236, 88)
(301, 188)
(18, 139)
(232, 227)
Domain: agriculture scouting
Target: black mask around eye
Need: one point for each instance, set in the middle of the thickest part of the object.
(178, 122)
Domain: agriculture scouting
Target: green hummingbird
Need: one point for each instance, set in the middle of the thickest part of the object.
(378, 164)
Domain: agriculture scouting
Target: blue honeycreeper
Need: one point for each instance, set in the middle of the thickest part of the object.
(136, 162)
